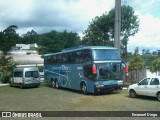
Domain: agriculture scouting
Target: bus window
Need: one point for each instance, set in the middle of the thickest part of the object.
(49, 59)
(72, 57)
(64, 58)
(103, 54)
(79, 57)
(59, 60)
(87, 56)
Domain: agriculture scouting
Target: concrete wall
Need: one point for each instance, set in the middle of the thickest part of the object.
(136, 76)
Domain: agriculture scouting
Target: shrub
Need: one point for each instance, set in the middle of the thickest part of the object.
(5, 79)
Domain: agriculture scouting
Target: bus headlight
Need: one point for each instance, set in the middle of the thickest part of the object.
(120, 82)
(99, 86)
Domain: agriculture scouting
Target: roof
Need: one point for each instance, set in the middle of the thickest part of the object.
(80, 48)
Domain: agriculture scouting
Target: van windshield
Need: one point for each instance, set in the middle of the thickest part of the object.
(32, 74)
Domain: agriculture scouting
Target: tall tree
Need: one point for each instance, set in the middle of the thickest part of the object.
(101, 30)
(8, 38)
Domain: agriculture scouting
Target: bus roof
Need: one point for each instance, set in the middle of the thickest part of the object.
(77, 48)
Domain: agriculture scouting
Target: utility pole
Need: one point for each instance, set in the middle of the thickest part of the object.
(117, 25)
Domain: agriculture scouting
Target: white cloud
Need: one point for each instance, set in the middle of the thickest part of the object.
(149, 33)
(75, 15)
(45, 15)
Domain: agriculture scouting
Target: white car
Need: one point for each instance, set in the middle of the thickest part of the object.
(149, 86)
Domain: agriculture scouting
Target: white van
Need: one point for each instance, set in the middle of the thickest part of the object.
(25, 77)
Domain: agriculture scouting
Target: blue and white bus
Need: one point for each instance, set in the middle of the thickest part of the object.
(90, 69)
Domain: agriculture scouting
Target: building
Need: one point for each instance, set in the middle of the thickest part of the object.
(26, 46)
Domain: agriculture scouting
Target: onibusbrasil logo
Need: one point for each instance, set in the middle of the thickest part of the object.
(63, 75)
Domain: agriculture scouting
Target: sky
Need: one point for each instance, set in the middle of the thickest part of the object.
(75, 15)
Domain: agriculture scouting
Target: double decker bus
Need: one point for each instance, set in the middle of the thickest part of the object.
(90, 69)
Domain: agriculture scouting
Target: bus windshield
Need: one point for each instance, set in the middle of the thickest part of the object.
(110, 71)
(105, 54)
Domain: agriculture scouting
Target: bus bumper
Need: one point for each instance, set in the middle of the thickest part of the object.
(107, 88)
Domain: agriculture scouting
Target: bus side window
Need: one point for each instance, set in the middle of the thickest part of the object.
(72, 57)
(64, 58)
(45, 60)
(59, 59)
(49, 59)
(79, 57)
(87, 56)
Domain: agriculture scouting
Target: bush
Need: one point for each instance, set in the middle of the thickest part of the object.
(5, 79)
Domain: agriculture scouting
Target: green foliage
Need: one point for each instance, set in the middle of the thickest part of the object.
(101, 29)
(56, 41)
(136, 63)
(8, 38)
(7, 66)
(5, 79)
(149, 59)
(30, 37)
(155, 65)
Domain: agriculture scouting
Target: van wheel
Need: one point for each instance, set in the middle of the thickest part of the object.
(53, 84)
(158, 96)
(132, 93)
(84, 88)
(56, 84)
(21, 86)
(11, 85)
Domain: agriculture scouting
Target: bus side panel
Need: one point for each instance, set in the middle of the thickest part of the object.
(47, 75)
(75, 76)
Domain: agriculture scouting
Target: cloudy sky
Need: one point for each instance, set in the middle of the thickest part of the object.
(75, 15)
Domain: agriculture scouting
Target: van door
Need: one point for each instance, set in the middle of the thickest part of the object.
(18, 77)
(32, 77)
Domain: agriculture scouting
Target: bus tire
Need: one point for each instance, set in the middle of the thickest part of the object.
(53, 83)
(56, 83)
(84, 88)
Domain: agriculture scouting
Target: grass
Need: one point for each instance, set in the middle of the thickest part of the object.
(46, 98)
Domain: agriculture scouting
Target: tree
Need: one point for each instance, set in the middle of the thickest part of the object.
(56, 41)
(30, 37)
(155, 65)
(6, 67)
(101, 30)
(8, 38)
(136, 62)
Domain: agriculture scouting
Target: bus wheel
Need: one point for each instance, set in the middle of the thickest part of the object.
(56, 84)
(84, 88)
(53, 83)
